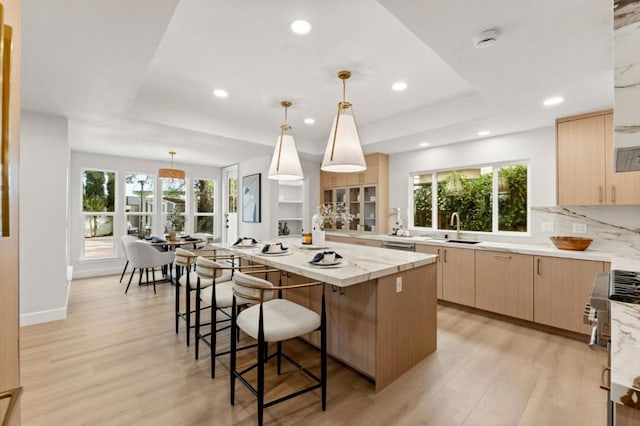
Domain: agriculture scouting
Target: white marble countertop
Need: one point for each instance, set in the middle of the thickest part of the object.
(533, 249)
(362, 263)
(625, 339)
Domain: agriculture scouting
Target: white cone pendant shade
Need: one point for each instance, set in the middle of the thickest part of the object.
(285, 163)
(344, 152)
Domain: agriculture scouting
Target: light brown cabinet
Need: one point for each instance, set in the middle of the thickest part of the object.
(420, 248)
(368, 243)
(365, 194)
(586, 174)
(458, 276)
(561, 290)
(504, 283)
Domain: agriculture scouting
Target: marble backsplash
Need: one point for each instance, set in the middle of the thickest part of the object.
(614, 229)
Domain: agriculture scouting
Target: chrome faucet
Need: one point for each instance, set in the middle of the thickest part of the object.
(455, 217)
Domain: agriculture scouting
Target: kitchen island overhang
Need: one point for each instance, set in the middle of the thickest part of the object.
(381, 306)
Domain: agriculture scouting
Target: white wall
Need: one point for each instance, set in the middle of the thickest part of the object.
(44, 158)
(121, 165)
(537, 147)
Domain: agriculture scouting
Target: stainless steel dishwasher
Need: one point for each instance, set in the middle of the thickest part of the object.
(399, 245)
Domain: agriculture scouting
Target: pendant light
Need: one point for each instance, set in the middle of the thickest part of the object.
(171, 173)
(344, 152)
(285, 163)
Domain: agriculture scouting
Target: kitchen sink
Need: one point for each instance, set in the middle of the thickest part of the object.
(462, 241)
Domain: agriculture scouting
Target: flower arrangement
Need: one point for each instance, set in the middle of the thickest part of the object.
(175, 220)
(327, 215)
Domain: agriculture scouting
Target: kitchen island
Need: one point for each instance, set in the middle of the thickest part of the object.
(381, 304)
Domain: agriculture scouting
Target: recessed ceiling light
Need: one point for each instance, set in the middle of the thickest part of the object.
(300, 26)
(484, 133)
(309, 120)
(399, 86)
(221, 93)
(553, 101)
(424, 144)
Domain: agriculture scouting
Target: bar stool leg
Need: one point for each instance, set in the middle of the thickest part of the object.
(232, 355)
(177, 297)
(261, 361)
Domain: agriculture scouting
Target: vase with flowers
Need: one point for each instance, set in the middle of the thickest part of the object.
(328, 216)
(175, 223)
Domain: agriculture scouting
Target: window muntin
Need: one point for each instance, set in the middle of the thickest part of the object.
(98, 210)
(204, 192)
(488, 199)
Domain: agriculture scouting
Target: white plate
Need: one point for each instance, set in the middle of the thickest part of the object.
(313, 247)
(282, 253)
(340, 264)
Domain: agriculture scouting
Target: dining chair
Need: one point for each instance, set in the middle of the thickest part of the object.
(274, 320)
(143, 257)
(124, 241)
(214, 290)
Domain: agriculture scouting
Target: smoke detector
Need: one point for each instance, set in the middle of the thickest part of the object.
(486, 38)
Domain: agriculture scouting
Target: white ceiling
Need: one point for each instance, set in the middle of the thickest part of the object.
(135, 77)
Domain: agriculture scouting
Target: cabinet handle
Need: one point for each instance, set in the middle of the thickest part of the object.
(445, 255)
(538, 267)
(600, 193)
(603, 383)
(613, 193)
(438, 255)
(341, 291)
(334, 289)
(502, 256)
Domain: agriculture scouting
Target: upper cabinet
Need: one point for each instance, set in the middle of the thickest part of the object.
(366, 194)
(586, 173)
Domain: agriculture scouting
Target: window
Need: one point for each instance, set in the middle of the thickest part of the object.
(488, 199)
(204, 192)
(98, 209)
(173, 204)
(138, 204)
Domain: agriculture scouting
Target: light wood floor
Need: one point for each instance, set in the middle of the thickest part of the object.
(116, 360)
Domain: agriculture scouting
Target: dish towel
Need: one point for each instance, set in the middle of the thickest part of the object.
(319, 256)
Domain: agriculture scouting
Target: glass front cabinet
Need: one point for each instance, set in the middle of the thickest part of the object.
(362, 204)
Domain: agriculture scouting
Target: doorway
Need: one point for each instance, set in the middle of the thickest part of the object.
(230, 204)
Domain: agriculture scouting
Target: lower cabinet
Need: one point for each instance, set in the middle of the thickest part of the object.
(504, 283)
(458, 276)
(368, 243)
(561, 289)
(420, 248)
(351, 323)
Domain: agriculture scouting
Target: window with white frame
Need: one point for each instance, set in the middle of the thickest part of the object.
(204, 206)
(138, 203)
(174, 205)
(488, 199)
(98, 210)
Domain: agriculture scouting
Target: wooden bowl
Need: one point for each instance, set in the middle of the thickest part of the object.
(570, 243)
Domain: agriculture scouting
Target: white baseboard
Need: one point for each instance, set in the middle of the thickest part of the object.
(43, 316)
(90, 273)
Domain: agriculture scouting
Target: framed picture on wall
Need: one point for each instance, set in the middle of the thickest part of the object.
(251, 198)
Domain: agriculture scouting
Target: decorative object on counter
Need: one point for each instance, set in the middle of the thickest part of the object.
(279, 228)
(285, 163)
(307, 238)
(285, 229)
(326, 215)
(344, 152)
(570, 243)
